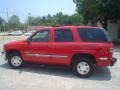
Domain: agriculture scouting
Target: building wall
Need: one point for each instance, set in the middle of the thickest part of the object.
(113, 30)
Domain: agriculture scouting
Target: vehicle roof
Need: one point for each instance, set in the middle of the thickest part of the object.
(58, 27)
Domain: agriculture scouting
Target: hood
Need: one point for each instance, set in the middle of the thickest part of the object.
(15, 42)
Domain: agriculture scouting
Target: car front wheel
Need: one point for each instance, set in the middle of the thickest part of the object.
(15, 60)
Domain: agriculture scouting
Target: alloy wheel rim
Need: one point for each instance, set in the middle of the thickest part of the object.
(83, 68)
(16, 61)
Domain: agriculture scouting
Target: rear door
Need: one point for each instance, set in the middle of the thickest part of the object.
(61, 48)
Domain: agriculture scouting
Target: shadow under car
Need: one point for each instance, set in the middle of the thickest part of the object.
(100, 73)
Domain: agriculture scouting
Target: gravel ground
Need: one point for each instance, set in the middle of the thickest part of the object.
(34, 77)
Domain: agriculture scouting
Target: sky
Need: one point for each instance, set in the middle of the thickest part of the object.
(35, 7)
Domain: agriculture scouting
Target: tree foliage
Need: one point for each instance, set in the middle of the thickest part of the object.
(2, 21)
(57, 19)
(14, 22)
(102, 10)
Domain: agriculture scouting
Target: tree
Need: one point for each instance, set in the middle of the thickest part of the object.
(102, 10)
(38, 20)
(108, 10)
(57, 19)
(31, 20)
(64, 19)
(1, 24)
(14, 22)
(76, 19)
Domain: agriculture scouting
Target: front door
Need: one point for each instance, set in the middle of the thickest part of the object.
(38, 48)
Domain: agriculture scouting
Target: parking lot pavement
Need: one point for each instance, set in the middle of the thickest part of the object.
(35, 77)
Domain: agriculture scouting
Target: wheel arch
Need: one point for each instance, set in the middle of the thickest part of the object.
(92, 57)
(11, 51)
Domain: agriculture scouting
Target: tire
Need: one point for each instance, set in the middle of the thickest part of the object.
(15, 60)
(83, 67)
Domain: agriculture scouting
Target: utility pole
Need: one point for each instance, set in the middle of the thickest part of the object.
(7, 14)
(4, 29)
(4, 26)
(4, 23)
(29, 14)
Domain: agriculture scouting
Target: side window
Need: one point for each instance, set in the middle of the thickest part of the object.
(63, 35)
(93, 35)
(41, 36)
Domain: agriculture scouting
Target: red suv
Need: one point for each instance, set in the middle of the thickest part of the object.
(83, 48)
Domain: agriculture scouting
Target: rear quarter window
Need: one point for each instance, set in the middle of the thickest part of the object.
(93, 35)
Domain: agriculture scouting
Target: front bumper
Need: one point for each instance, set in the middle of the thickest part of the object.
(114, 60)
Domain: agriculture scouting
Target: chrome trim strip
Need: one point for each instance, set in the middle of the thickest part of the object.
(43, 55)
(38, 55)
(58, 56)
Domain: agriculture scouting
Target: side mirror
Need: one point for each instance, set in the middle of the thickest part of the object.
(29, 40)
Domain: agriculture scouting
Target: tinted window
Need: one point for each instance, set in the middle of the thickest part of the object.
(93, 35)
(41, 36)
(63, 35)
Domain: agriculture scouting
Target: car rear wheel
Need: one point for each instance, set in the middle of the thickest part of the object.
(15, 60)
(83, 67)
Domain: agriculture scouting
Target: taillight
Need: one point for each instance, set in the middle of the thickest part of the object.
(111, 50)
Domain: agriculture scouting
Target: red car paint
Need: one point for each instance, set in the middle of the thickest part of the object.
(61, 53)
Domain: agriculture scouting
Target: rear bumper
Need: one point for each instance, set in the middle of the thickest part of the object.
(114, 60)
(105, 62)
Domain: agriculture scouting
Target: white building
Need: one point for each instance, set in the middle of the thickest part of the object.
(114, 30)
